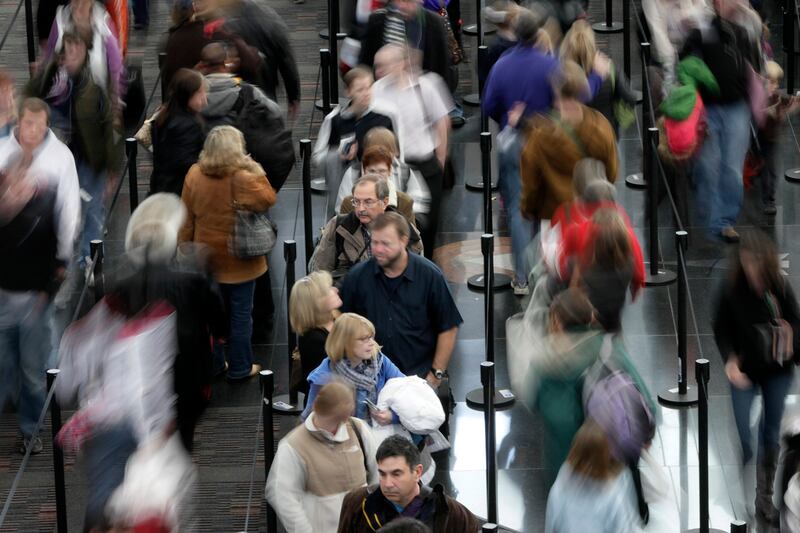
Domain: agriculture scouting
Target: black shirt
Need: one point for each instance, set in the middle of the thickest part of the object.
(408, 312)
(343, 125)
(311, 346)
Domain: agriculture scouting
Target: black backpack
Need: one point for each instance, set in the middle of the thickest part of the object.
(266, 136)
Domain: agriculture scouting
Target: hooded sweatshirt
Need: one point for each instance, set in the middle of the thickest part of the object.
(223, 91)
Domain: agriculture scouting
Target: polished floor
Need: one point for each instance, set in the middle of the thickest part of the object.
(228, 451)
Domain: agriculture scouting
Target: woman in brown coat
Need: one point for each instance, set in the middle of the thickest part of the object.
(225, 173)
(557, 142)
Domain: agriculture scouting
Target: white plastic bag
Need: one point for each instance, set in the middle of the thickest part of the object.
(415, 403)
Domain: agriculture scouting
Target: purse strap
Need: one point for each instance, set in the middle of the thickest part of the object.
(772, 305)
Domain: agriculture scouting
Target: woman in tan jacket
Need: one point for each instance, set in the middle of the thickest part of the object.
(558, 141)
(223, 173)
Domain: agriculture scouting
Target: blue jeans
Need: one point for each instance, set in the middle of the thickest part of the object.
(774, 389)
(25, 356)
(92, 208)
(239, 304)
(718, 170)
(510, 185)
(106, 453)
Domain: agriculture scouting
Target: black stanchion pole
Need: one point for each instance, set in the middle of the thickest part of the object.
(639, 180)
(656, 276)
(289, 404)
(58, 456)
(162, 57)
(474, 99)
(29, 34)
(324, 65)
(267, 379)
(702, 373)
(682, 395)
(131, 147)
(333, 46)
(478, 29)
(626, 37)
(487, 380)
(96, 252)
(308, 229)
(486, 166)
(608, 26)
(738, 526)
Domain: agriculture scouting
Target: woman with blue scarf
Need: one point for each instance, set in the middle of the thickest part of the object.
(355, 358)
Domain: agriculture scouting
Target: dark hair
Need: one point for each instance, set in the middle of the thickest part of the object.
(405, 525)
(184, 84)
(214, 54)
(572, 308)
(34, 105)
(762, 248)
(397, 446)
(390, 218)
(611, 246)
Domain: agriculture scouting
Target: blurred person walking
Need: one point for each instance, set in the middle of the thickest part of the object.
(8, 105)
(185, 40)
(178, 132)
(355, 358)
(319, 462)
(225, 179)
(756, 327)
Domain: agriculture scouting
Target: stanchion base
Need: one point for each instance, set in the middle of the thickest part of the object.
(473, 100)
(601, 27)
(323, 34)
(503, 399)
(501, 282)
(672, 398)
(282, 406)
(709, 530)
(477, 185)
(793, 175)
(318, 185)
(635, 181)
(318, 103)
(664, 277)
(472, 30)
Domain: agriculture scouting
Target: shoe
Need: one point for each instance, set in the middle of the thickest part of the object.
(254, 370)
(35, 444)
(729, 234)
(520, 289)
(457, 122)
(221, 371)
(770, 209)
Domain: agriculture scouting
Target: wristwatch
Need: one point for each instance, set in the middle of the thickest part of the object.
(438, 374)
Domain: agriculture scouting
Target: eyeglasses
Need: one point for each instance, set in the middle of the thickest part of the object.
(368, 338)
(371, 202)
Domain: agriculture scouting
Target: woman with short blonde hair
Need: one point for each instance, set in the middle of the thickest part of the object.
(313, 305)
(355, 358)
(225, 151)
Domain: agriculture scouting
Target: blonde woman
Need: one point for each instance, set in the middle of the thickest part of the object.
(223, 173)
(355, 358)
(312, 308)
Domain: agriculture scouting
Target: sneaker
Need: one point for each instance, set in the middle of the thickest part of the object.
(35, 444)
(770, 209)
(520, 289)
(729, 234)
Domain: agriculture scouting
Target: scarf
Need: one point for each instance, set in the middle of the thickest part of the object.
(364, 375)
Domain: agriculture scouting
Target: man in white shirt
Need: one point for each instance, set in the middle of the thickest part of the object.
(423, 125)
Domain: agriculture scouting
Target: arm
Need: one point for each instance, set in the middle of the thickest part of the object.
(285, 487)
(255, 193)
(369, 450)
(491, 101)
(531, 176)
(445, 343)
(662, 46)
(116, 71)
(724, 326)
(350, 516)
(324, 256)
(68, 208)
(186, 233)
(313, 390)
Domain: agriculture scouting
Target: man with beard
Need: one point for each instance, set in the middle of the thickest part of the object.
(408, 300)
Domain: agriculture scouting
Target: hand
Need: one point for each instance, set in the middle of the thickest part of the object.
(351, 152)
(602, 64)
(515, 113)
(433, 381)
(737, 378)
(382, 417)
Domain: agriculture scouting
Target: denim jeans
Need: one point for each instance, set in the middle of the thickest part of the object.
(239, 304)
(92, 208)
(774, 389)
(718, 170)
(25, 354)
(510, 185)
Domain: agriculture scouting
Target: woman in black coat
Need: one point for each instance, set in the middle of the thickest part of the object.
(756, 328)
(178, 132)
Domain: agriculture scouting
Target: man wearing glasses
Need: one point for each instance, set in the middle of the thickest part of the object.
(346, 238)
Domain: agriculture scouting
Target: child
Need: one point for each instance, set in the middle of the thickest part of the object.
(779, 105)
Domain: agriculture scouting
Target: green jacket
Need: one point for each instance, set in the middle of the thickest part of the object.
(92, 119)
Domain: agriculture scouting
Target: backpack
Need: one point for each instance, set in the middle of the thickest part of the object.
(268, 141)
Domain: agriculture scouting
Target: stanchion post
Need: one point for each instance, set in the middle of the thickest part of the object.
(490, 528)
(626, 38)
(486, 172)
(29, 34)
(333, 46)
(682, 395)
(487, 380)
(58, 456)
(96, 253)
(324, 65)
(162, 57)
(483, 61)
(131, 147)
(646, 96)
(267, 379)
(788, 43)
(289, 404)
(608, 26)
(655, 276)
(308, 228)
(487, 248)
(738, 526)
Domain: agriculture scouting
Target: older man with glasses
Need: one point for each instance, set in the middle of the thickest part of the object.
(346, 238)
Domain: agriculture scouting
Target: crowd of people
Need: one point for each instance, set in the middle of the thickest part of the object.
(375, 318)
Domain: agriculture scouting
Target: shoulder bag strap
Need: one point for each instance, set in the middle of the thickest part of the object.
(361, 446)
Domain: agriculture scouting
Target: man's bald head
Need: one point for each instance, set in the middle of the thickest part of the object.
(390, 59)
(213, 58)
